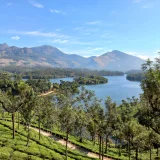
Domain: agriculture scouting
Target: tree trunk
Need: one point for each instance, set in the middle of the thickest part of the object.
(106, 149)
(81, 139)
(67, 145)
(94, 139)
(28, 137)
(13, 127)
(18, 120)
(120, 148)
(136, 153)
(39, 126)
(129, 155)
(3, 114)
(157, 151)
(100, 147)
(150, 154)
(115, 142)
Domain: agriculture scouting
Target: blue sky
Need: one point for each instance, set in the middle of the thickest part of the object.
(84, 27)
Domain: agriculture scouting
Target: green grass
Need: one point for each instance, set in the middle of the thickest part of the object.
(46, 148)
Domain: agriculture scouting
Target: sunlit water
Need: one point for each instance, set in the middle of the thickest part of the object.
(118, 88)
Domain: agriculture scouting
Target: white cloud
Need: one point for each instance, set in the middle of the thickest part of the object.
(142, 55)
(93, 23)
(92, 55)
(59, 41)
(57, 11)
(35, 4)
(9, 4)
(86, 31)
(97, 49)
(39, 33)
(15, 38)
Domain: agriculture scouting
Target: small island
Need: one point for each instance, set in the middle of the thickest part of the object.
(91, 80)
(135, 77)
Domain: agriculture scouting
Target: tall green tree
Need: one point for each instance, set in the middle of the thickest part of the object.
(150, 106)
(67, 115)
(13, 96)
(111, 119)
(28, 110)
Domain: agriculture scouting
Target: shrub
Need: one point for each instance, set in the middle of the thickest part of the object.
(5, 152)
(19, 156)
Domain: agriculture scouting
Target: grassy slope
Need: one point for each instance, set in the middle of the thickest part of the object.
(16, 149)
(112, 151)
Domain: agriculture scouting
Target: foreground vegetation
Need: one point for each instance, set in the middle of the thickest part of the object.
(129, 131)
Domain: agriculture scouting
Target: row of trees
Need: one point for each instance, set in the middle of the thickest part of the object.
(134, 125)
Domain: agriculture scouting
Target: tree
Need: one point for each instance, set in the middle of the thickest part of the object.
(38, 109)
(67, 115)
(84, 100)
(150, 106)
(96, 123)
(81, 122)
(13, 96)
(47, 113)
(111, 119)
(127, 122)
(28, 110)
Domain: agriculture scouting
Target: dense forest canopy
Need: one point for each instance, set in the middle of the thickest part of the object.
(43, 72)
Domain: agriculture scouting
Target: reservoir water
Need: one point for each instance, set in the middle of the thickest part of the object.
(118, 88)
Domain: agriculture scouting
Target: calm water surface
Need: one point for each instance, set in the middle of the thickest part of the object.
(118, 88)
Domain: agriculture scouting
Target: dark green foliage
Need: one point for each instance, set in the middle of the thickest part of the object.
(48, 73)
(68, 87)
(39, 85)
(136, 77)
(150, 100)
(89, 80)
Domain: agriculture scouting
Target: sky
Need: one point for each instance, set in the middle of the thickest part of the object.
(83, 27)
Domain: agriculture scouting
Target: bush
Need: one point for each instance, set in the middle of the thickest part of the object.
(19, 156)
(30, 157)
(5, 152)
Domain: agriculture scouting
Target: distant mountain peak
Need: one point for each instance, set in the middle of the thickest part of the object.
(47, 55)
(3, 46)
(115, 52)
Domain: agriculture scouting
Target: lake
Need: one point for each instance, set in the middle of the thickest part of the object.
(118, 88)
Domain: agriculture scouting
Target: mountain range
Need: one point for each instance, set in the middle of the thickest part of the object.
(52, 57)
